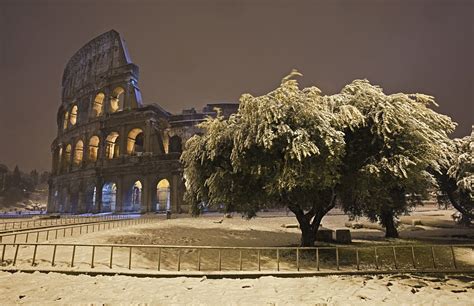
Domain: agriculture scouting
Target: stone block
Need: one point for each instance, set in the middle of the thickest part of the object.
(343, 236)
(324, 234)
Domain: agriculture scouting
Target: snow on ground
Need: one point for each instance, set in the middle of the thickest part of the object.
(213, 229)
(54, 288)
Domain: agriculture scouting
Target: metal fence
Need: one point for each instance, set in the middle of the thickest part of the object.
(157, 259)
(46, 234)
(35, 223)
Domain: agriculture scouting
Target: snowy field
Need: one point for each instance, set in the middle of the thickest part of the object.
(267, 230)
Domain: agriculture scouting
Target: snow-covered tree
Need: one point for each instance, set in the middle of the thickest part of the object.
(387, 157)
(456, 175)
(300, 149)
(280, 149)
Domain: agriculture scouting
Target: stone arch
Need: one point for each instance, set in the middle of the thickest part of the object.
(98, 104)
(117, 99)
(175, 144)
(112, 148)
(109, 197)
(93, 148)
(78, 153)
(134, 196)
(135, 142)
(162, 196)
(73, 115)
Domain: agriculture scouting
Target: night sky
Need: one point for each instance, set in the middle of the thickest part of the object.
(195, 52)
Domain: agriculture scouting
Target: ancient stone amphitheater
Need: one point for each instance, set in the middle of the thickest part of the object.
(112, 153)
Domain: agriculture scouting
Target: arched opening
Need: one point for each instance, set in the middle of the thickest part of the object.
(93, 148)
(112, 147)
(98, 106)
(73, 115)
(175, 145)
(109, 197)
(163, 195)
(78, 153)
(117, 100)
(135, 142)
(133, 199)
(67, 157)
(66, 120)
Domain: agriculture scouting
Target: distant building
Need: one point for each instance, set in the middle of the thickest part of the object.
(112, 153)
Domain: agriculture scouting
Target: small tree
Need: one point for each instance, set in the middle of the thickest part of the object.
(280, 149)
(455, 176)
(387, 157)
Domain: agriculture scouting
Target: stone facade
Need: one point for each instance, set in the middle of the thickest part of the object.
(112, 153)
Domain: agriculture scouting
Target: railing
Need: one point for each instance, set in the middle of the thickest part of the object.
(71, 230)
(20, 225)
(63, 221)
(156, 259)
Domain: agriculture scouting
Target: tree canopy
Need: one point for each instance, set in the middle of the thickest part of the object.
(300, 149)
(456, 175)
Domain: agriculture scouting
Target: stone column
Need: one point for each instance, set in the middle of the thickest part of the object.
(123, 138)
(120, 194)
(148, 132)
(98, 195)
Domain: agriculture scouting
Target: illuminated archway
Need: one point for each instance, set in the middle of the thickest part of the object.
(117, 100)
(135, 142)
(66, 120)
(163, 195)
(98, 106)
(109, 197)
(73, 115)
(78, 153)
(93, 148)
(112, 146)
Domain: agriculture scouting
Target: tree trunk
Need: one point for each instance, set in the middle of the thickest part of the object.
(309, 223)
(387, 221)
(308, 235)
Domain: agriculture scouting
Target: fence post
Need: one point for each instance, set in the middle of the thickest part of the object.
(34, 255)
(3, 252)
(317, 259)
(220, 260)
(258, 259)
(111, 255)
(376, 259)
(73, 255)
(16, 254)
(93, 255)
(395, 258)
(297, 259)
(452, 252)
(433, 257)
(199, 259)
(130, 259)
(278, 259)
(54, 255)
(240, 260)
(357, 258)
(179, 259)
(337, 258)
(159, 258)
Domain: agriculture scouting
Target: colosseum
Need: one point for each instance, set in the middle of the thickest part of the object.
(112, 152)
